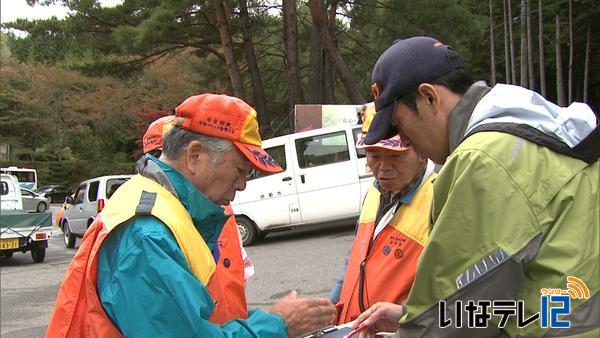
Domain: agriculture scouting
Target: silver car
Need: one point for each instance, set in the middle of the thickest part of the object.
(87, 201)
(33, 201)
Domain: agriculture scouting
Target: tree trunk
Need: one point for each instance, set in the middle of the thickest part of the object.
(258, 91)
(492, 47)
(507, 78)
(290, 38)
(227, 44)
(328, 81)
(354, 93)
(328, 71)
(315, 68)
(586, 68)
(570, 85)
(530, 56)
(523, 81)
(513, 63)
(541, 48)
(560, 92)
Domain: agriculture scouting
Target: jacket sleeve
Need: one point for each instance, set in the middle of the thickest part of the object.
(334, 294)
(147, 289)
(483, 233)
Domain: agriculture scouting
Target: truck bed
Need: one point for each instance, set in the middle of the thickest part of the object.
(20, 223)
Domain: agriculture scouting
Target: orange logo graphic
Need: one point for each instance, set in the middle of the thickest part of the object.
(576, 288)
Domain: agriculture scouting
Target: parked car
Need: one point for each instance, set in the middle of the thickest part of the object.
(54, 192)
(10, 192)
(89, 199)
(325, 179)
(33, 201)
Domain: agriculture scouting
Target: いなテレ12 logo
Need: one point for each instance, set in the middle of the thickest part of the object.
(557, 302)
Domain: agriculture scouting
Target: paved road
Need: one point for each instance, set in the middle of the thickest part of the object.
(307, 260)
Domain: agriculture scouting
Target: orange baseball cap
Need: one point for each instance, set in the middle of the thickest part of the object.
(229, 118)
(153, 137)
(393, 143)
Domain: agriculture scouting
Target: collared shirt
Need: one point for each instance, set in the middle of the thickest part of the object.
(390, 202)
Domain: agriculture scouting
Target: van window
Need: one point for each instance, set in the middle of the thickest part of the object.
(360, 152)
(79, 195)
(93, 191)
(4, 188)
(278, 154)
(113, 184)
(322, 149)
(24, 176)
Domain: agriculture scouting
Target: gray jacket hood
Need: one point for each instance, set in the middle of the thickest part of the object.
(513, 104)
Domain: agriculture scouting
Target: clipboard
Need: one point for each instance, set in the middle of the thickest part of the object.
(331, 332)
(341, 331)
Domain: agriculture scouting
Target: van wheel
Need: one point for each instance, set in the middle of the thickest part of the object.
(8, 255)
(247, 229)
(69, 237)
(41, 207)
(38, 253)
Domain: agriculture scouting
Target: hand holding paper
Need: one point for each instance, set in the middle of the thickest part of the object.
(381, 317)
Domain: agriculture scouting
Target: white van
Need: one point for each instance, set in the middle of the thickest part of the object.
(87, 201)
(10, 193)
(325, 179)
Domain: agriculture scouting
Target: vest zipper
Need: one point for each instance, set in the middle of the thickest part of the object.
(362, 274)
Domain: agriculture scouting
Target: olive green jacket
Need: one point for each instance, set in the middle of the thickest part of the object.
(511, 215)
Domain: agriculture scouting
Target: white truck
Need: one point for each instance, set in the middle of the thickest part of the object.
(21, 231)
(325, 179)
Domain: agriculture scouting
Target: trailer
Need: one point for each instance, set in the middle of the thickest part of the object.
(22, 231)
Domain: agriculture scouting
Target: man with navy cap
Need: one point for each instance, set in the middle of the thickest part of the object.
(515, 208)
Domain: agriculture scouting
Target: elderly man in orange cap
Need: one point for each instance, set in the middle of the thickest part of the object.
(146, 266)
(392, 228)
(233, 264)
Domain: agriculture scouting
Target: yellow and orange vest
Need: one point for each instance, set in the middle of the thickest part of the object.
(78, 311)
(383, 270)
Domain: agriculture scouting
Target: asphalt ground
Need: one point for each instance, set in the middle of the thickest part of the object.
(307, 260)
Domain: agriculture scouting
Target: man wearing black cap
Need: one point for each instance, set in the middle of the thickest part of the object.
(515, 209)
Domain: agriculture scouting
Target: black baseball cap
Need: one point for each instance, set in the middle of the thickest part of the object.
(401, 69)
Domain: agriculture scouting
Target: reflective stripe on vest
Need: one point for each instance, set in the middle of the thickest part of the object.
(384, 269)
(78, 311)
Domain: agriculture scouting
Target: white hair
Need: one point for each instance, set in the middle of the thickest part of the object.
(176, 141)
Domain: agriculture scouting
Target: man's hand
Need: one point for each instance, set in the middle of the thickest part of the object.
(381, 317)
(303, 315)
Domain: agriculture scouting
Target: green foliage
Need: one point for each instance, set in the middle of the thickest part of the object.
(79, 92)
(46, 40)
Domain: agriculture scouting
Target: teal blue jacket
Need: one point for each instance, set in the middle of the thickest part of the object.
(147, 288)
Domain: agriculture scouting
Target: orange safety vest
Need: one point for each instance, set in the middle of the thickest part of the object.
(383, 270)
(78, 311)
(59, 215)
(228, 279)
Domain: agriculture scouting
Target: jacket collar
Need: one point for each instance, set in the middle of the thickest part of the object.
(207, 216)
(458, 119)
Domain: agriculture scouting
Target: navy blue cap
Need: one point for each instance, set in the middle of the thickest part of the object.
(399, 71)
